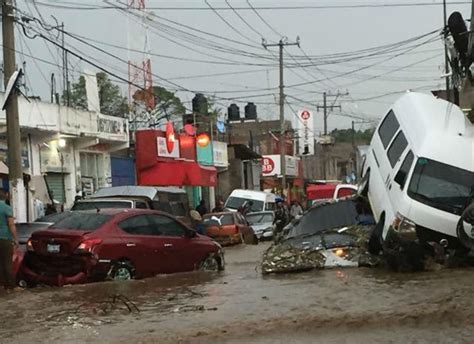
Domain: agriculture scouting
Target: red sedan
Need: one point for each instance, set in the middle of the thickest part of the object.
(116, 244)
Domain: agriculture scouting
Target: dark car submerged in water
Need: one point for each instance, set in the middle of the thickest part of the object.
(332, 234)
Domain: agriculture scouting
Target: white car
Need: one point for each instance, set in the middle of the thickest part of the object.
(262, 224)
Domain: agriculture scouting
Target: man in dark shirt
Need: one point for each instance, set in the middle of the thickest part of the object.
(8, 241)
(201, 208)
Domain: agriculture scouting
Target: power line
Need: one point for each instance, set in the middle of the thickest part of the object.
(75, 6)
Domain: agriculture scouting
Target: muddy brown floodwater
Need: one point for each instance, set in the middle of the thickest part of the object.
(242, 306)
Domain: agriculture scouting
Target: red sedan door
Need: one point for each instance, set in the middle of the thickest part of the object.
(143, 243)
(181, 253)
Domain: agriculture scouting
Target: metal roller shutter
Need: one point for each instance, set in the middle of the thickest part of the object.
(55, 185)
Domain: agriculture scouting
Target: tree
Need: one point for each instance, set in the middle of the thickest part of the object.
(345, 135)
(167, 106)
(110, 97)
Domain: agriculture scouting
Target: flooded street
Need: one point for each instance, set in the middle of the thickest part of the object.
(239, 305)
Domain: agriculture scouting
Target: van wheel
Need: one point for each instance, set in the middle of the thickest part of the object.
(122, 271)
(363, 188)
(375, 241)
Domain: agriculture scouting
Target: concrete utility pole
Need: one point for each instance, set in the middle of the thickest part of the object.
(15, 173)
(325, 107)
(283, 42)
(446, 64)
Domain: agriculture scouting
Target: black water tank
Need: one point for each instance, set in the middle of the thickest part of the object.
(233, 112)
(200, 105)
(250, 111)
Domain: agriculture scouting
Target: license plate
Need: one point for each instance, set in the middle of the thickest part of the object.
(53, 248)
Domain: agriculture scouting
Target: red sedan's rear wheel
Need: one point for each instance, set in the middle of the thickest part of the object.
(122, 271)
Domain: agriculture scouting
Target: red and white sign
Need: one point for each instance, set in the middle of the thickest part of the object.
(163, 148)
(305, 115)
(268, 165)
(306, 133)
(271, 166)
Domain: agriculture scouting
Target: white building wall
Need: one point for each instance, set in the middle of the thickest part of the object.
(42, 124)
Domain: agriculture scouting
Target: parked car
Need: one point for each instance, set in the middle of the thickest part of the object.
(116, 244)
(261, 201)
(262, 224)
(229, 228)
(321, 193)
(173, 200)
(419, 175)
(24, 232)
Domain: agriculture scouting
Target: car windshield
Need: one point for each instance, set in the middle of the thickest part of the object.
(237, 202)
(82, 221)
(257, 218)
(441, 186)
(322, 218)
(225, 219)
(101, 205)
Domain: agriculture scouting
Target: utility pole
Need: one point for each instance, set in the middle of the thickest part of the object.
(15, 173)
(446, 68)
(446, 64)
(325, 108)
(283, 42)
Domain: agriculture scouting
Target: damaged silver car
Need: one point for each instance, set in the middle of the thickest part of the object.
(333, 234)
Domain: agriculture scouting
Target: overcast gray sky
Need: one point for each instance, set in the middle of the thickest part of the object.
(324, 28)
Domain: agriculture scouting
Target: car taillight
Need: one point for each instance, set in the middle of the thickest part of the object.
(29, 245)
(88, 245)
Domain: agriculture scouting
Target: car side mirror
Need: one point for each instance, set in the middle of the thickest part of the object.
(400, 178)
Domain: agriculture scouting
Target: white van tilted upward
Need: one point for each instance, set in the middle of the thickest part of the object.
(261, 200)
(419, 172)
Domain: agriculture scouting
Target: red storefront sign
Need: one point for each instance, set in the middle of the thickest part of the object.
(156, 170)
(268, 165)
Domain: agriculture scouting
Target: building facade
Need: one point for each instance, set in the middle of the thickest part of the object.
(65, 152)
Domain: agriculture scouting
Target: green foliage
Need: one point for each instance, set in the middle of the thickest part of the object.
(167, 103)
(345, 135)
(111, 100)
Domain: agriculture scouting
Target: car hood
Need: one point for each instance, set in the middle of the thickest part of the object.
(315, 251)
(261, 226)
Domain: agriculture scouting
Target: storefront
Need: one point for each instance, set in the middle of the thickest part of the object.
(271, 176)
(65, 152)
(169, 159)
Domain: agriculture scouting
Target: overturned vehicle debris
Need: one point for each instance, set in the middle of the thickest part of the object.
(332, 234)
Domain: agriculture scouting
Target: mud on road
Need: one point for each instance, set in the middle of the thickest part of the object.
(356, 305)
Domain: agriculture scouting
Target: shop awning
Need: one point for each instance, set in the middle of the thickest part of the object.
(178, 173)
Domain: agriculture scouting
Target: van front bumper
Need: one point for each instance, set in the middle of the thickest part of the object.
(410, 250)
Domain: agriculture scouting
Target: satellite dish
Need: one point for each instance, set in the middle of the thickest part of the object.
(11, 86)
(220, 126)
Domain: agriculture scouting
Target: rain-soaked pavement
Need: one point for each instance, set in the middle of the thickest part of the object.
(240, 306)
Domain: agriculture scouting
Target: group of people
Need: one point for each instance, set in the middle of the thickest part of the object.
(284, 214)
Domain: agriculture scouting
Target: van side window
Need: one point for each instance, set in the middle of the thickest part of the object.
(402, 173)
(397, 148)
(270, 206)
(388, 128)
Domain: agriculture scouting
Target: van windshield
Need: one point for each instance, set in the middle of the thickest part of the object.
(441, 186)
(237, 202)
(91, 205)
